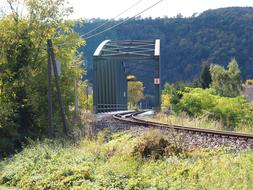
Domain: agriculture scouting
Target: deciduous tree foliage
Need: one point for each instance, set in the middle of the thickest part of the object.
(23, 67)
(222, 101)
(166, 97)
(214, 35)
(205, 76)
(226, 82)
(135, 92)
(231, 111)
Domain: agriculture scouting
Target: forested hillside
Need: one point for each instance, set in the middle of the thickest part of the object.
(215, 36)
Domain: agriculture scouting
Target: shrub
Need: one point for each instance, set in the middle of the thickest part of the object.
(231, 111)
(196, 101)
(154, 145)
(56, 165)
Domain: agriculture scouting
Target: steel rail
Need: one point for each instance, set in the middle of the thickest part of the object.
(132, 117)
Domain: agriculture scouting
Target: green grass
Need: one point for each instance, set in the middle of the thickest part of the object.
(199, 122)
(123, 162)
(7, 188)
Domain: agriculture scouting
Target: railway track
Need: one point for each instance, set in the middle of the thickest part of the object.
(132, 118)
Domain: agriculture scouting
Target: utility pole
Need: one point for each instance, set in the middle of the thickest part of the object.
(49, 93)
(57, 82)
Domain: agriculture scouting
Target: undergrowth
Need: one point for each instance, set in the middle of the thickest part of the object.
(150, 161)
(199, 122)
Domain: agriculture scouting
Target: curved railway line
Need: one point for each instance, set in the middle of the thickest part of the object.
(132, 118)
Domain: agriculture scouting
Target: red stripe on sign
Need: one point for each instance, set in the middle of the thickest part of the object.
(156, 80)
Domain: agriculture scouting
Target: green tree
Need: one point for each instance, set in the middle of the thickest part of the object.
(230, 111)
(214, 35)
(177, 89)
(135, 92)
(205, 75)
(166, 96)
(23, 67)
(226, 82)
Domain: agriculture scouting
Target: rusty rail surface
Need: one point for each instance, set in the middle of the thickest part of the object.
(132, 118)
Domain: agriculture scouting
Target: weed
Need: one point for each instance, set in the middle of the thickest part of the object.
(153, 144)
(95, 164)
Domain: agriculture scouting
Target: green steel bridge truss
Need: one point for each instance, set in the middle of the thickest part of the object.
(110, 78)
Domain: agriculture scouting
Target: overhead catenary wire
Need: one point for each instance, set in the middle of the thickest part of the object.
(122, 22)
(118, 15)
(153, 5)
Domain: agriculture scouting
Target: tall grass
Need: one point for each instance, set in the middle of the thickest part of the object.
(122, 163)
(199, 122)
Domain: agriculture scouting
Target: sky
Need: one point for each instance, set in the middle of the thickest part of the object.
(110, 8)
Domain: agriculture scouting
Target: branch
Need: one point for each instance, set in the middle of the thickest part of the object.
(10, 2)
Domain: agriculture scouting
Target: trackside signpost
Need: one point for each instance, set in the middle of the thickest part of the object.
(156, 80)
(56, 72)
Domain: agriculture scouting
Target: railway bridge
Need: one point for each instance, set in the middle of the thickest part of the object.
(110, 62)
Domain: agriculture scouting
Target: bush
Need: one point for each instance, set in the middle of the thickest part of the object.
(196, 101)
(231, 111)
(156, 146)
(93, 165)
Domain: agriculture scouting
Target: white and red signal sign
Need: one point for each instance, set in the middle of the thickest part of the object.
(156, 80)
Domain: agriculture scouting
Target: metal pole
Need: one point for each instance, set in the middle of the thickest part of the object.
(49, 93)
(95, 85)
(157, 86)
(57, 81)
(160, 83)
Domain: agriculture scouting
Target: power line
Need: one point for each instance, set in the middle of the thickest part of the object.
(91, 36)
(129, 8)
(153, 5)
